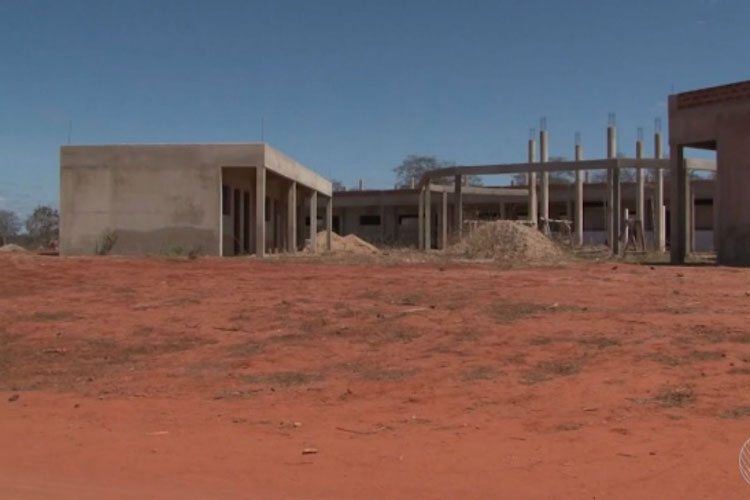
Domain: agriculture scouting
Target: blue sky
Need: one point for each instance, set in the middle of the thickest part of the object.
(348, 87)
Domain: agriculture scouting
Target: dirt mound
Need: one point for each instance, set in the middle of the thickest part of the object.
(12, 248)
(509, 241)
(349, 243)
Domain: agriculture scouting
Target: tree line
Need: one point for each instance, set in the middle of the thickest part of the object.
(39, 228)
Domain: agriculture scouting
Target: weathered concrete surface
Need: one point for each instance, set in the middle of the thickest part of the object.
(716, 118)
(152, 199)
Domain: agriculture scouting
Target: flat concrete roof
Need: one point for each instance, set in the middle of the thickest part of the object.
(217, 154)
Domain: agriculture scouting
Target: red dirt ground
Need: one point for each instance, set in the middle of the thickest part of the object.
(155, 378)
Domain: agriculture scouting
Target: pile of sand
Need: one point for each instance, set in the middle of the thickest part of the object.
(511, 242)
(349, 243)
(12, 248)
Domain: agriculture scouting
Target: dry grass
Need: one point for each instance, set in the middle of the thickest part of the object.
(45, 316)
(739, 412)
(677, 396)
(547, 370)
(283, 378)
(482, 372)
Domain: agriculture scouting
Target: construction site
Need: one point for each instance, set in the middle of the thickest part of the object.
(221, 323)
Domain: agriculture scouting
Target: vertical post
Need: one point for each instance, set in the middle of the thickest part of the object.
(503, 214)
(291, 217)
(660, 219)
(260, 211)
(420, 219)
(678, 200)
(444, 221)
(578, 211)
(314, 221)
(329, 223)
(458, 207)
(640, 206)
(428, 217)
(272, 220)
(691, 212)
(613, 211)
(532, 200)
(543, 158)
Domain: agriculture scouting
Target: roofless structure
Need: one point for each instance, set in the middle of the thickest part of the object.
(538, 192)
(716, 119)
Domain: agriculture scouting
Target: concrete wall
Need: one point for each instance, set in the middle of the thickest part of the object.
(150, 200)
(718, 118)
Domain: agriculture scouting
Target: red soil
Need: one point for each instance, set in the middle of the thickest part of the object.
(150, 378)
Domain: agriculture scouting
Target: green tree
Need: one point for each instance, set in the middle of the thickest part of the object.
(415, 166)
(43, 224)
(10, 224)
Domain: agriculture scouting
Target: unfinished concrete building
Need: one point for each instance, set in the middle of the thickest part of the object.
(391, 217)
(212, 199)
(716, 119)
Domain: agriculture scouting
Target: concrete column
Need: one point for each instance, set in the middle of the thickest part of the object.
(272, 220)
(420, 219)
(691, 212)
(578, 209)
(329, 223)
(428, 218)
(678, 230)
(531, 177)
(444, 221)
(314, 221)
(617, 190)
(301, 218)
(503, 214)
(640, 188)
(260, 211)
(458, 207)
(613, 211)
(291, 217)
(659, 219)
(544, 158)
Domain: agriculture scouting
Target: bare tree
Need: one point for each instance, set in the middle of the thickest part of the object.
(43, 224)
(414, 166)
(10, 224)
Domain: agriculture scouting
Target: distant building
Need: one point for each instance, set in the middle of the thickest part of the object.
(212, 199)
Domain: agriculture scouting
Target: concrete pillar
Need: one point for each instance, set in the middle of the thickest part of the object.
(617, 208)
(458, 207)
(691, 212)
(272, 220)
(428, 218)
(640, 188)
(420, 219)
(260, 211)
(329, 223)
(578, 209)
(531, 177)
(444, 221)
(678, 230)
(314, 221)
(659, 219)
(544, 158)
(503, 214)
(291, 217)
(613, 209)
(301, 218)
